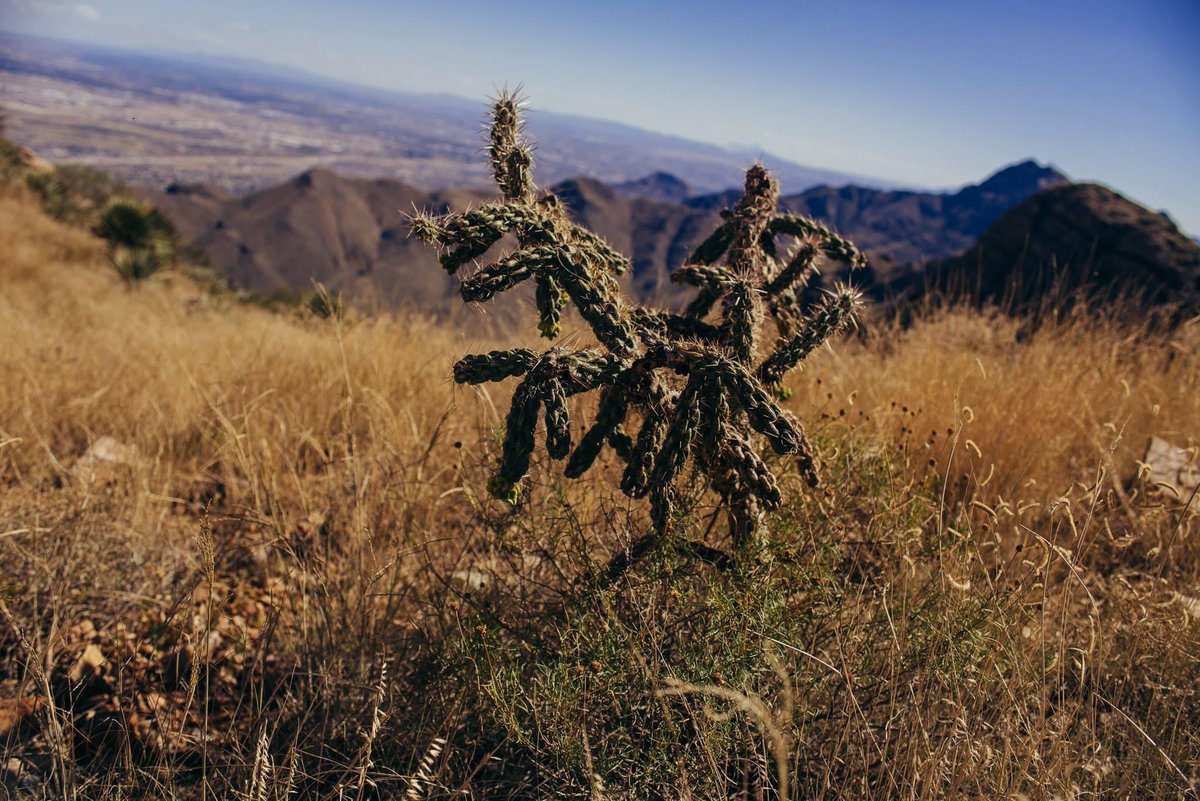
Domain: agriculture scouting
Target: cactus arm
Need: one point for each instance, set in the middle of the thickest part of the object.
(715, 279)
(743, 313)
(636, 479)
(705, 254)
(751, 469)
(751, 218)
(832, 245)
(806, 457)
(466, 236)
(834, 314)
(558, 422)
(496, 365)
(509, 154)
(585, 370)
(518, 441)
(550, 300)
(714, 413)
(797, 273)
(764, 414)
(611, 413)
(599, 306)
(711, 248)
(657, 325)
(663, 507)
(599, 249)
(502, 275)
(741, 309)
(681, 433)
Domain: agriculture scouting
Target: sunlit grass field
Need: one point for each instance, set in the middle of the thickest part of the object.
(249, 553)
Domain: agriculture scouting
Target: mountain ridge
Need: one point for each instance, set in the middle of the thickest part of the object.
(1066, 243)
(350, 233)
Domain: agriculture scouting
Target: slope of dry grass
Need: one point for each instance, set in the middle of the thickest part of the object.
(1022, 422)
(285, 577)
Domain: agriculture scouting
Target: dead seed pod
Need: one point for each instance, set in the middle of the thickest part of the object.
(702, 389)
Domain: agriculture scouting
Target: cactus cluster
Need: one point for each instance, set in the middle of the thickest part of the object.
(694, 380)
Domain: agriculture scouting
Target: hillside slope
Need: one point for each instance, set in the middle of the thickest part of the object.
(1078, 238)
(901, 227)
(286, 539)
(351, 234)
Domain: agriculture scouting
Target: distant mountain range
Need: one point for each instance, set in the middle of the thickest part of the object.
(350, 234)
(242, 125)
(893, 226)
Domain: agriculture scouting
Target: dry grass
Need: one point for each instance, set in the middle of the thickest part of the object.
(302, 436)
(1021, 421)
(298, 503)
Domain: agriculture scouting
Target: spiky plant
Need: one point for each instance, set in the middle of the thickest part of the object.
(326, 304)
(128, 223)
(141, 240)
(695, 379)
(136, 264)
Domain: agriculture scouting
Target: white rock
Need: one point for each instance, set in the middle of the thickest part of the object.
(471, 580)
(1172, 468)
(105, 452)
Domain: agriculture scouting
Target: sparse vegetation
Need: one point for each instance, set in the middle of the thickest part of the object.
(70, 193)
(51, 192)
(326, 304)
(248, 554)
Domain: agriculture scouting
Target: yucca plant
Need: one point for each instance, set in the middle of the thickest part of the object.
(141, 240)
(695, 379)
(325, 304)
(137, 264)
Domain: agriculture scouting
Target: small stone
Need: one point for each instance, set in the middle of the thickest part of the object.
(1171, 468)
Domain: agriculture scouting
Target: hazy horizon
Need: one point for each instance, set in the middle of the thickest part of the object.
(939, 96)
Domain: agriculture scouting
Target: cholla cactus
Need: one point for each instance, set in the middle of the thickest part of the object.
(698, 386)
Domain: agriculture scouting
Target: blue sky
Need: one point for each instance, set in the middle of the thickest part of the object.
(930, 94)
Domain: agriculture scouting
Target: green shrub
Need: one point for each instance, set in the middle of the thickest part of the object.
(128, 223)
(326, 304)
(137, 264)
(764, 680)
(51, 192)
(141, 240)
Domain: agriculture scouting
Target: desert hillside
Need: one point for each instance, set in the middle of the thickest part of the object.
(251, 553)
(351, 234)
(1017, 238)
(1074, 239)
